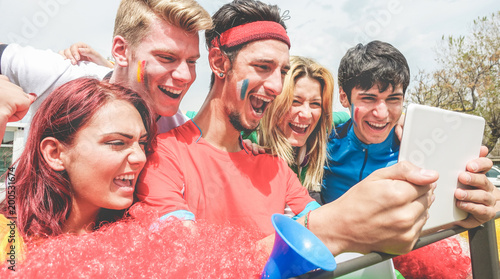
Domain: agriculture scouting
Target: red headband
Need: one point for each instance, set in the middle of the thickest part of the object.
(253, 31)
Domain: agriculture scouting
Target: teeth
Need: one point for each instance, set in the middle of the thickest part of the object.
(378, 125)
(259, 103)
(301, 126)
(176, 92)
(125, 177)
(262, 98)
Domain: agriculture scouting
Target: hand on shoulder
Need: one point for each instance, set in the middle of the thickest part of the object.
(14, 102)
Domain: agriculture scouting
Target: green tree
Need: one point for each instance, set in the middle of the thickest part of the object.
(468, 76)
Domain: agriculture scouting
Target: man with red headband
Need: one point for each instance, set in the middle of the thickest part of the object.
(202, 170)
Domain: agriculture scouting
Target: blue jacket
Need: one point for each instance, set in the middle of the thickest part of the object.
(350, 161)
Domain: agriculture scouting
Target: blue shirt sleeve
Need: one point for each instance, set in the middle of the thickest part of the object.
(180, 214)
(309, 207)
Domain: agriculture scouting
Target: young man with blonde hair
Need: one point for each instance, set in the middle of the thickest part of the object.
(155, 46)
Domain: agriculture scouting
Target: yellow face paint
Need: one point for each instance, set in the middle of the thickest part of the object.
(140, 71)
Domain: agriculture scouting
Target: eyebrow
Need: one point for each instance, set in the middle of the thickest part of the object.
(128, 136)
(302, 98)
(367, 94)
(271, 61)
(194, 57)
(396, 94)
(167, 51)
(373, 94)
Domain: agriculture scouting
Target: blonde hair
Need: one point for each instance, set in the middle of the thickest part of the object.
(135, 16)
(273, 139)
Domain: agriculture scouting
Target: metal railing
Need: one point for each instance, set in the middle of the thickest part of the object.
(483, 251)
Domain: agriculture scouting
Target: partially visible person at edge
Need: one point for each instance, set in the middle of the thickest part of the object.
(14, 104)
(201, 169)
(297, 123)
(155, 48)
(88, 144)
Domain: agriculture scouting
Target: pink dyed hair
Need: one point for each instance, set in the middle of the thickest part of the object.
(43, 196)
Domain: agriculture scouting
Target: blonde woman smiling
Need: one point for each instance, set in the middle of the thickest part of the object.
(296, 124)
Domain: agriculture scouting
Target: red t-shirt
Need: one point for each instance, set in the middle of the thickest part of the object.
(188, 173)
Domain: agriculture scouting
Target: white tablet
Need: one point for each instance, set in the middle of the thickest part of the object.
(444, 141)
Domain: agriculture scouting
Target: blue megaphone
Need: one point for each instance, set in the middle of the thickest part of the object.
(296, 251)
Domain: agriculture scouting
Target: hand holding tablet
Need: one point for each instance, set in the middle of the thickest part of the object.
(443, 141)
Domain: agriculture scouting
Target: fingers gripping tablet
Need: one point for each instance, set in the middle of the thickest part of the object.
(444, 141)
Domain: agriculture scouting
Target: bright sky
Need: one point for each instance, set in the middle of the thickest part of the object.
(320, 29)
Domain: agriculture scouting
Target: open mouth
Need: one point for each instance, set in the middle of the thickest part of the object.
(259, 103)
(126, 180)
(298, 128)
(174, 94)
(377, 126)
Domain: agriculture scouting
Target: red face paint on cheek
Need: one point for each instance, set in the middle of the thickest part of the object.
(354, 114)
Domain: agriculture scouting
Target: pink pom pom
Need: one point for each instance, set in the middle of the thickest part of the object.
(142, 248)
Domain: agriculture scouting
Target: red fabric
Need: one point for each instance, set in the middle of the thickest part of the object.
(444, 259)
(218, 186)
(253, 31)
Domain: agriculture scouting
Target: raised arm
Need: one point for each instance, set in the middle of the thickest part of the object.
(42, 71)
(83, 52)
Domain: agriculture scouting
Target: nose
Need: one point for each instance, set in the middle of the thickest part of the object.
(305, 111)
(381, 110)
(184, 72)
(137, 157)
(274, 82)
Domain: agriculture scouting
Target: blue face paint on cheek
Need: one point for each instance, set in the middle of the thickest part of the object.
(244, 87)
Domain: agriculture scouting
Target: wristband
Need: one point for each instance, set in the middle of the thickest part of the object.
(306, 221)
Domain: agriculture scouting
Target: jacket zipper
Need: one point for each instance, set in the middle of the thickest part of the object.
(364, 164)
